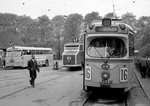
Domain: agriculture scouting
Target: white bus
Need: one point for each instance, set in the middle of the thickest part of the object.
(18, 56)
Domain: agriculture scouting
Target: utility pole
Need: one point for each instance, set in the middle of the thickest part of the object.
(114, 14)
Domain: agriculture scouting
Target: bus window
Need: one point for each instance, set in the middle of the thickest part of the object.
(45, 52)
(28, 52)
(33, 52)
(41, 51)
(24, 52)
(107, 47)
(37, 52)
(49, 52)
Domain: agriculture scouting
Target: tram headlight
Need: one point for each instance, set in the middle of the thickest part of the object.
(105, 66)
(105, 75)
(91, 26)
(122, 26)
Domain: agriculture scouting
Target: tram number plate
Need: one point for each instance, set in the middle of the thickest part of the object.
(123, 74)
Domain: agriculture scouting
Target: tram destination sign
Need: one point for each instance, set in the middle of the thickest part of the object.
(106, 29)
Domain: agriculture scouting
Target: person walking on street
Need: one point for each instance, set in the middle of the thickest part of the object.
(33, 67)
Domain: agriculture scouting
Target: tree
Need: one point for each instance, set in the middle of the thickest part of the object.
(72, 27)
(8, 22)
(58, 32)
(25, 27)
(145, 50)
(45, 27)
(129, 19)
(90, 17)
(111, 15)
(143, 32)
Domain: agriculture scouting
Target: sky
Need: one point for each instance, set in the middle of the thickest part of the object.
(51, 8)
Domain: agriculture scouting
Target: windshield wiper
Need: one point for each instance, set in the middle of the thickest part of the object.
(98, 53)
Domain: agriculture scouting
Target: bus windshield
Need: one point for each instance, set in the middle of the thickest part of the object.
(72, 47)
(13, 53)
(111, 47)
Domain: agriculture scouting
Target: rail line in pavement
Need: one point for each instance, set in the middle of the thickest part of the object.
(25, 88)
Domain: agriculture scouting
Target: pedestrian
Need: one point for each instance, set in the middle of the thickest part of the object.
(143, 67)
(33, 67)
(148, 67)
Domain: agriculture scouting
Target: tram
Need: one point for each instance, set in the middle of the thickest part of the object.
(73, 54)
(109, 55)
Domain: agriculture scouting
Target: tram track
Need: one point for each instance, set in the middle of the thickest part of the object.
(92, 101)
(37, 84)
(87, 103)
(17, 78)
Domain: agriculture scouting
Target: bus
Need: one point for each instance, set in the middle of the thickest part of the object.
(109, 55)
(18, 56)
(73, 55)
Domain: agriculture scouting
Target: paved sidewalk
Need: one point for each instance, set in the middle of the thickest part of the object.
(145, 82)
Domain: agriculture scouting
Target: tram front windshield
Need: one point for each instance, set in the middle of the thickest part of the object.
(111, 47)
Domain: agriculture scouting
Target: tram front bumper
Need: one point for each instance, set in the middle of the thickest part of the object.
(106, 85)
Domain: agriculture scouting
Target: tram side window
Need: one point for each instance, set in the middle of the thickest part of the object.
(131, 45)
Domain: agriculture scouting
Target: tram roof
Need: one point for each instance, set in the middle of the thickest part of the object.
(73, 43)
(27, 48)
(114, 23)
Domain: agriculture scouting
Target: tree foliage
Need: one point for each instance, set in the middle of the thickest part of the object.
(90, 17)
(72, 27)
(129, 19)
(111, 15)
(63, 29)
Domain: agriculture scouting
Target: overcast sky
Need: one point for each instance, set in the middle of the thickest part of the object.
(36, 8)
